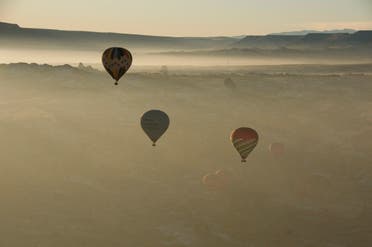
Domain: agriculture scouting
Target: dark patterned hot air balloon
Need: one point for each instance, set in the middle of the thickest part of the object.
(154, 123)
(244, 140)
(117, 62)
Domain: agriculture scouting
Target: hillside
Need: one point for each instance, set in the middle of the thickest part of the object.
(304, 32)
(59, 47)
(12, 35)
(311, 40)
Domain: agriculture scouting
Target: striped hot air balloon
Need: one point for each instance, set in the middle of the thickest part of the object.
(244, 140)
(117, 62)
(154, 123)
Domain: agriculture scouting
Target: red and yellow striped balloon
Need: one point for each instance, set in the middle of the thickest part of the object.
(244, 140)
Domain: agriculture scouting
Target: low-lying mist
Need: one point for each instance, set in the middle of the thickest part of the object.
(77, 169)
(175, 58)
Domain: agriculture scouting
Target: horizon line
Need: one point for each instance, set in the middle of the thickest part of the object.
(210, 36)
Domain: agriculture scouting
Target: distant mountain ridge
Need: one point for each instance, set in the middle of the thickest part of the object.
(304, 32)
(8, 26)
(310, 41)
(13, 36)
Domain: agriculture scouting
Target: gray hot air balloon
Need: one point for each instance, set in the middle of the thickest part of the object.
(229, 83)
(154, 123)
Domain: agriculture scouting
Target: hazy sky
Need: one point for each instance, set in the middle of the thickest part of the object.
(189, 17)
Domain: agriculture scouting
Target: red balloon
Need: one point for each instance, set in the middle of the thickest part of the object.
(211, 181)
(277, 148)
(224, 176)
(244, 140)
(217, 180)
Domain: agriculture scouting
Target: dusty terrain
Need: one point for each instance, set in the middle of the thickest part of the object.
(77, 170)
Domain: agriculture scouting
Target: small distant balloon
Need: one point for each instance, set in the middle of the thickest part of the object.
(117, 62)
(154, 123)
(164, 70)
(244, 140)
(224, 176)
(211, 181)
(229, 83)
(216, 180)
(277, 148)
(221, 172)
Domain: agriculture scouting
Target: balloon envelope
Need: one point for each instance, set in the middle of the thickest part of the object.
(277, 148)
(229, 83)
(244, 140)
(212, 181)
(116, 61)
(154, 123)
(217, 180)
(224, 176)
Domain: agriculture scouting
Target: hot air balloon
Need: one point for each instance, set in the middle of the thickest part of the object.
(244, 140)
(212, 181)
(224, 176)
(218, 180)
(221, 172)
(117, 62)
(154, 123)
(277, 148)
(164, 70)
(229, 83)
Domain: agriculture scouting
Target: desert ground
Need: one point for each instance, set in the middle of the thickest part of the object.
(76, 169)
